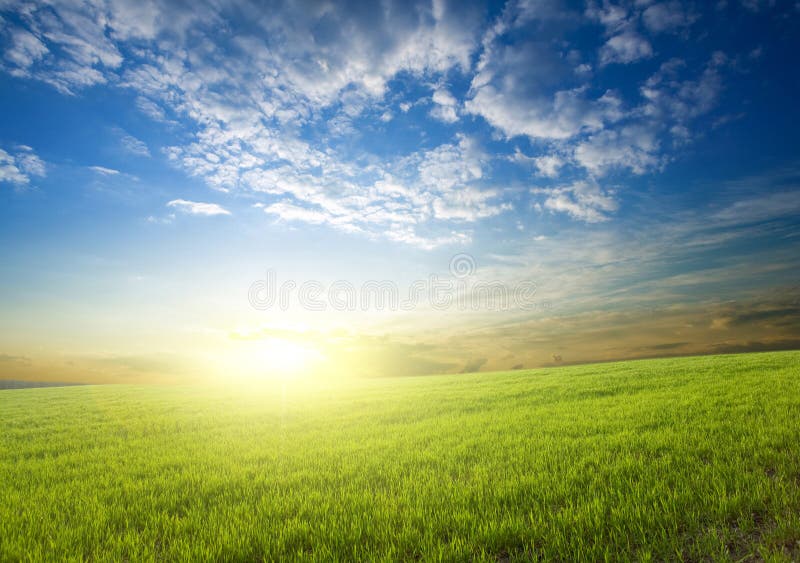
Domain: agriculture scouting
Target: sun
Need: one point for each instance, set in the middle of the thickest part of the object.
(287, 356)
(274, 358)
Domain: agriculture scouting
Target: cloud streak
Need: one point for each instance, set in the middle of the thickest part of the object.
(197, 208)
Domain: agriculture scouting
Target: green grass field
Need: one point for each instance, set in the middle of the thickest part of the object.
(677, 459)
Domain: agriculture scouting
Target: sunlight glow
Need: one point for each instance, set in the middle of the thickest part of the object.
(274, 358)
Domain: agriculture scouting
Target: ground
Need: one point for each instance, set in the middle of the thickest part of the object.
(689, 458)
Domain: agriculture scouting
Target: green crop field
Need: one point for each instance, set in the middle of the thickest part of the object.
(676, 459)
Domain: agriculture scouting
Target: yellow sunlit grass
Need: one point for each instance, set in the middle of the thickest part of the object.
(690, 459)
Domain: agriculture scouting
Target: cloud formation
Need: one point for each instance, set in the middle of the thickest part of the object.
(268, 110)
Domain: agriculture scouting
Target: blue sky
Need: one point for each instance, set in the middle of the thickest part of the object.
(156, 158)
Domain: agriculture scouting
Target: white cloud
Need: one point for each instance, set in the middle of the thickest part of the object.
(25, 49)
(583, 200)
(761, 208)
(29, 162)
(150, 109)
(361, 48)
(449, 166)
(447, 114)
(520, 158)
(444, 98)
(197, 208)
(614, 17)
(524, 85)
(625, 48)
(669, 98)
(64, 45)
(409, 236)
(634, 147)
(103, 171)
(667, 16)
(313, 51)
(247, 102)
(9, 171)
(441, 184)
(446, 106)
(549, 165)
(448, 176)
(166, 220)
(133, 145)
(756, 5)
(567, 114)
(18, 167)
(272, 88)
(139, 19)
(291, 212)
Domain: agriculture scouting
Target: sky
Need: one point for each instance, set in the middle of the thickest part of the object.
(553, 182)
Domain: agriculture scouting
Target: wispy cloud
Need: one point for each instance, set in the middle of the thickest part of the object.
(7, 358)
(133, 145)
(103, 171)
(668, 17)
(197, 208)
(583, 200)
